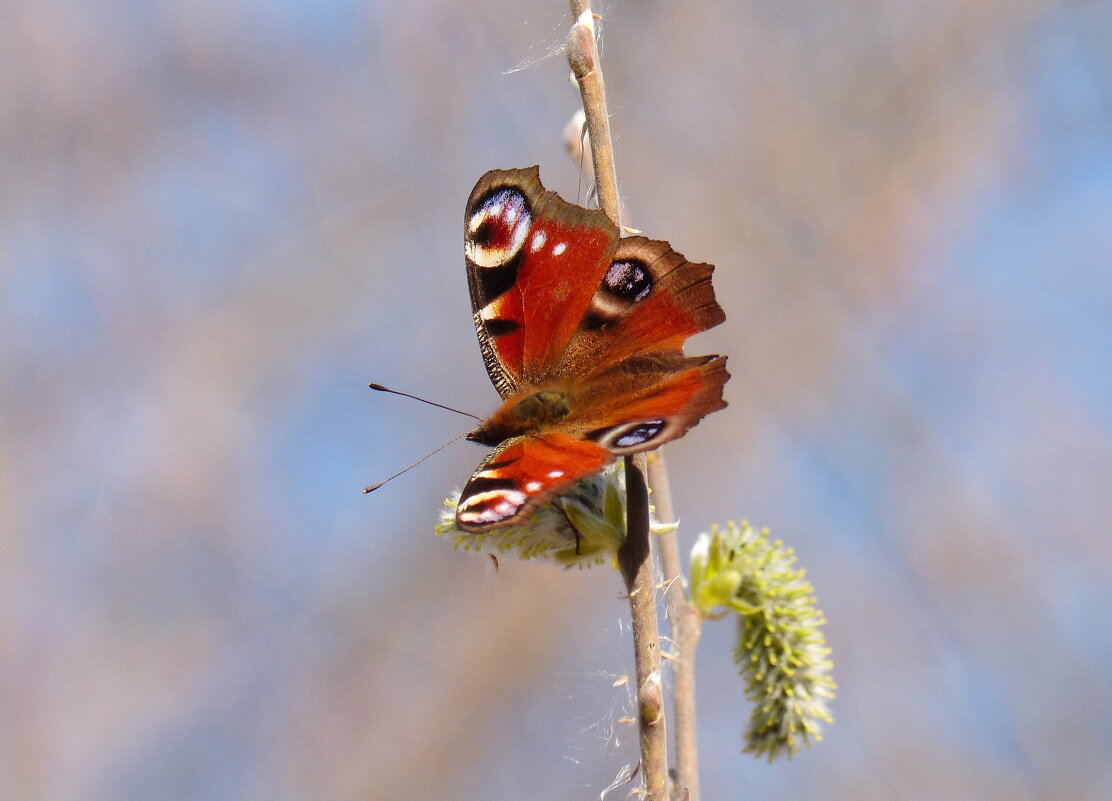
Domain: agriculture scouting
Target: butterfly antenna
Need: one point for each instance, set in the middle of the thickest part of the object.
(373, 487)
(380, 388)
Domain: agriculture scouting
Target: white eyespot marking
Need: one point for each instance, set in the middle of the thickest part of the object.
(631, 437)
(538, 241)
(497, 229)
(559, 248)
(489, 508)
(555, 473)
(533, 486)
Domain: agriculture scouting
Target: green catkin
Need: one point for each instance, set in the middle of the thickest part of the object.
(781, 650)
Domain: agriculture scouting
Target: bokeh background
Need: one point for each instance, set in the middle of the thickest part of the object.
(218, 221)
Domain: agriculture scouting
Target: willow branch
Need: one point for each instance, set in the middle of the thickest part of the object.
(685, 621)
(635, 556)
(685, 625)
(636, 563)
(583, 58)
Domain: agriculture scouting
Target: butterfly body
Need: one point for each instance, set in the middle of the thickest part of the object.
(582, 333)
(521, 414)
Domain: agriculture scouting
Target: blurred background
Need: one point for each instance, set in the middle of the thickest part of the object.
(219, 221)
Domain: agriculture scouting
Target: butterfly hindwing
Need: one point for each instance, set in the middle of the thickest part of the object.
(640, 406)
(650, 300)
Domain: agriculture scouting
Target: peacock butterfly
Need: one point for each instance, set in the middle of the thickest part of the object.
(582, 333)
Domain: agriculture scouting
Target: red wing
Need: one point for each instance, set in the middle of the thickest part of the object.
(646, 401)
(649, 301)
(534, 262)
(522, 474)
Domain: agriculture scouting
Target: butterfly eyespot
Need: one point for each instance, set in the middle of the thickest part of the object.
(628, 280)
(630, 437)
(497, 229)
(490, 508)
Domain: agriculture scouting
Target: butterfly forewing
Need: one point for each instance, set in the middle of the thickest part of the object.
(533, 264)
(522, 474)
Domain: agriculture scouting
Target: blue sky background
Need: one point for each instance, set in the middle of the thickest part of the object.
(219, 221)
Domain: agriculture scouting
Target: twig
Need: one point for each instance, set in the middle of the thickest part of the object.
(635, 558)
(583, 58)
(685, 626)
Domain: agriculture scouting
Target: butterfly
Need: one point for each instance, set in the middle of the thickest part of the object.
(582, 333)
